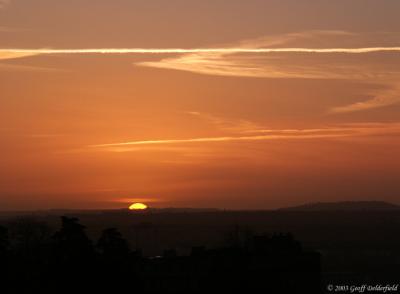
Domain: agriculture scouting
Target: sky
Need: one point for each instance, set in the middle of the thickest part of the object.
(254, 104)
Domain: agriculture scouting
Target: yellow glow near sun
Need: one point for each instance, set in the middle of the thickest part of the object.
(138, 206)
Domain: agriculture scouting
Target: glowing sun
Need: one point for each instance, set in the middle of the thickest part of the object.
(138, 206)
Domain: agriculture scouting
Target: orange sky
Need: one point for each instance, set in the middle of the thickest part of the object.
(231, 104)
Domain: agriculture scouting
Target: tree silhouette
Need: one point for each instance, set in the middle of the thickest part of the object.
(115, 268)
(4, 241)
(31, 238)
(4, 267)
(28, 253)
(74, 264)
(71, 241)
(112, 245)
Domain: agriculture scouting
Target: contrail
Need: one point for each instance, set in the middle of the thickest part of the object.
(217, 139)
(320, 133)
(200, 50)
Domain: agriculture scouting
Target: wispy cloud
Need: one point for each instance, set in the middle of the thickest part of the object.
(233, 61)
(27, 68)
(299, 62)
(338, 131)
(283, 56)
(381, 98)
(291, 61)
(11, 54)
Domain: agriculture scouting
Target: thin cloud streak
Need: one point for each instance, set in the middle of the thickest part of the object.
(198, 50)
(209, 140)
(320, 133)
(247, 127)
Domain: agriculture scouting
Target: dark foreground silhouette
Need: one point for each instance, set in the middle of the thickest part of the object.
(35, 260)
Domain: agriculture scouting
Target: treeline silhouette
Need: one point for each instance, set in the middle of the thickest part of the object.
(34, 259)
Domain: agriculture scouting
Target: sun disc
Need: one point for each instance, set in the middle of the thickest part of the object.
(138, 206)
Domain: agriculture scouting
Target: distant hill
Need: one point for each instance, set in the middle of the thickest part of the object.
(344, 206)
